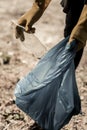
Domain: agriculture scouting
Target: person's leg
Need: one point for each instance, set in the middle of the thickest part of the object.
(71, 19)
(78, 58)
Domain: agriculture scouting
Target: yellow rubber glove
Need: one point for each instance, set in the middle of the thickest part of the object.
(80, 30)
(30, 17)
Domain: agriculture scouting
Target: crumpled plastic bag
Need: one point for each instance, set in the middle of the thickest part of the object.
(49, 94)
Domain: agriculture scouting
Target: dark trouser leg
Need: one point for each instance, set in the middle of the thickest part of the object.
(78, 58)
(70, 23)
(71, 20)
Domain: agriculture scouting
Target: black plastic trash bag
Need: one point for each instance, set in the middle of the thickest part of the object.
(49, 93)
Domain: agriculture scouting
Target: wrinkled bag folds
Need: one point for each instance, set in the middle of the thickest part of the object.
(49, 94)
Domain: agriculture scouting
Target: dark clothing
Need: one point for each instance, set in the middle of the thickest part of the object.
(72, 15)
(78, 58)
(68, 4)
(73, 9)
(85, 1)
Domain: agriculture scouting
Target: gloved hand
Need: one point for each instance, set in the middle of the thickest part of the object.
(26, 21)
(80, 30)
(30, 17)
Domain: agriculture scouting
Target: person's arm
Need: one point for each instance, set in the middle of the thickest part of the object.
(80, 30)
(30, 17)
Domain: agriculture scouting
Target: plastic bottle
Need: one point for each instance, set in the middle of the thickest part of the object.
(31, 43)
